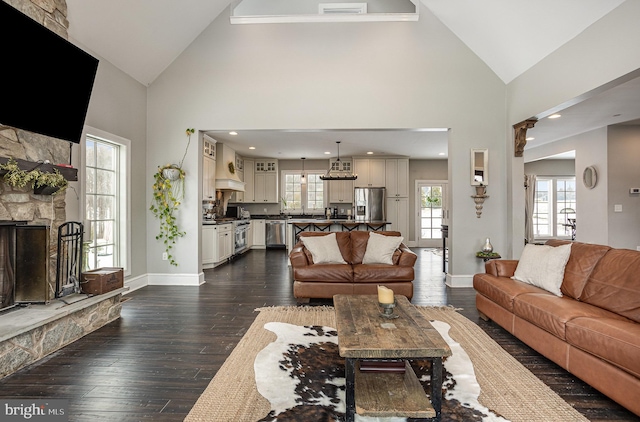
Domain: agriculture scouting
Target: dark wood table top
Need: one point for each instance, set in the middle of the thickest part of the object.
(364, 334)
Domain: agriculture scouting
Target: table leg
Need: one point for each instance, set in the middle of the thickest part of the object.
(436, 386)
(350, 398)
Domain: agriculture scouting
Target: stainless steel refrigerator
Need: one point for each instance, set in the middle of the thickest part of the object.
(369, 204)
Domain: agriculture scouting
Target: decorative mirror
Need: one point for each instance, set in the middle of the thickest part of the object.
(479, 167)
(590, 177)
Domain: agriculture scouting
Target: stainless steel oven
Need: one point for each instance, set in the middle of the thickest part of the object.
(241, 228)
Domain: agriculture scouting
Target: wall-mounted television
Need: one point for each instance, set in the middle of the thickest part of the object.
(45, 81)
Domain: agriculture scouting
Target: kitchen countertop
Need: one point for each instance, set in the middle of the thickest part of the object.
(332, 221)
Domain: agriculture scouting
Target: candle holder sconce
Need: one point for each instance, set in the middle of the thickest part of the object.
(387, 310)
(478, 199)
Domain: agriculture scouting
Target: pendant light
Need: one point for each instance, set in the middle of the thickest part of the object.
(303, 179)
(338, 174)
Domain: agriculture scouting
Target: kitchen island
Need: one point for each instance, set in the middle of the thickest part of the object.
(295, 226)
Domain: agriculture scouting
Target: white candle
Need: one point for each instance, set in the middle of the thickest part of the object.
(385, 295)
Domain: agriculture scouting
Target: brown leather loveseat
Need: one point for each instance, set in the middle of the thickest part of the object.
(327, 279)
(592, 331)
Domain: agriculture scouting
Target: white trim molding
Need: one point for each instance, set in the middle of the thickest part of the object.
(175, 279)
(459, 280)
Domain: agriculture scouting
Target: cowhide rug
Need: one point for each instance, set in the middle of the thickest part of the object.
(301, 374)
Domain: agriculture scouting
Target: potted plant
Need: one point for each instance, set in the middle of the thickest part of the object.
(168, 191)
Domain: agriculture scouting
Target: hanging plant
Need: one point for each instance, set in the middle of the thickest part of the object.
(168, 191)
(41, 182)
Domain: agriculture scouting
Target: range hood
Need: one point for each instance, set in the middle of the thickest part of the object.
(226, 180)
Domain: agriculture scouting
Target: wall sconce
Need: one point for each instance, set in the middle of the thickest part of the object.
(303, 179)
(479, 177)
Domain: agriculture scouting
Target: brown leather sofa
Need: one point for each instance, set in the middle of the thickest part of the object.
(325, 280)
(592, 331)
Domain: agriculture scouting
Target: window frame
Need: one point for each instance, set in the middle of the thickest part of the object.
(304, 209)
(553, 209)
(123, 188)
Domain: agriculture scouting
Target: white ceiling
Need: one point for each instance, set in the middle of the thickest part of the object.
(143, 37)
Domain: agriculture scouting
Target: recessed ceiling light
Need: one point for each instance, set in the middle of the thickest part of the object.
(369, 152)
(327, 153)
(441, 153)
(233, 133)
(530, 138)
(252, 147)
(555, 116)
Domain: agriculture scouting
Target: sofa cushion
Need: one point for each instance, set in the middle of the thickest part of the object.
(343, 239)
(615, 285)
(327, 273)
(551, 313)
(359, 240)
(324, 249)
(374, 273)
(380, 249)
(502, 290)
(616, 341)
(582, 261)
(543, 266)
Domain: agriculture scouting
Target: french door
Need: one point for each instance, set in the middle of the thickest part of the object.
(431, 213)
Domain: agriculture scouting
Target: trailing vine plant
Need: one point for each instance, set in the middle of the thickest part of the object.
(168, 191)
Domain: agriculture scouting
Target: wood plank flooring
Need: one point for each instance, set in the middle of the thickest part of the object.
(154, 362)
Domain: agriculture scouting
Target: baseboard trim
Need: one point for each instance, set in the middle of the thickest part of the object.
(459, 281)
(135, 283)
(154, 279)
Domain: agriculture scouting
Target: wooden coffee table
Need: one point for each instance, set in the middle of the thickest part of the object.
(365, 335)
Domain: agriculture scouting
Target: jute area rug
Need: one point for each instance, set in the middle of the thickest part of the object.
(507, 388)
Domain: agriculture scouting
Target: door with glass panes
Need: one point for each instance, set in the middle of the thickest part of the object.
(431, 213)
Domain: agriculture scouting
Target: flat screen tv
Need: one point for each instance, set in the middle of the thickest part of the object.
(45, 81)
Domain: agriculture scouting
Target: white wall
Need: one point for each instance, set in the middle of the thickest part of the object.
(605, 51)
(623, 174)
(118, 106)
(591, 204)
(334, 76)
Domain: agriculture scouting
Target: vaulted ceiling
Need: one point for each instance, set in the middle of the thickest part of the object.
(143, 37)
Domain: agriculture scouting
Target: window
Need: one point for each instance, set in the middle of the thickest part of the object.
(554, 212)
(106, 205)
(302, 197)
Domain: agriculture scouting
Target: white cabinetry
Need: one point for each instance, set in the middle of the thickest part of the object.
(224, 242)
(249, 182)
(209, 245)
(208, 178)
(371, 172)
(397, 177)
(398, 215)
(259, 234)
(265, 187)
(341, 191)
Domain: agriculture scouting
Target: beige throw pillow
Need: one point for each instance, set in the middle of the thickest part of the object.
(380, 249)
(324, 249)
(543, 266)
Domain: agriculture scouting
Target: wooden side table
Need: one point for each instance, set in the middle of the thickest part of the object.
(488, 257)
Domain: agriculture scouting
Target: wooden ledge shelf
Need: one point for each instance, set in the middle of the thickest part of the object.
(69, 173)
(388, 394)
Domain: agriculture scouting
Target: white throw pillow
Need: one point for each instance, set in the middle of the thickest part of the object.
(380, 249)
(324, 249)
(543, 266)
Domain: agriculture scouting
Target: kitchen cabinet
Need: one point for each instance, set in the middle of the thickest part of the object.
(371, 172)
(265, 187)
(209, 245)
(397, 177)
(208, 178)
(341, 191)
(259, 234)
(398, 215)
(249, 182)
(225, 241)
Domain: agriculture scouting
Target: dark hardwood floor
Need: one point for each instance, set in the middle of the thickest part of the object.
(155, 361)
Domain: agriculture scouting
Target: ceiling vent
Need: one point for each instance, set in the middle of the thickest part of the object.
(342, 8)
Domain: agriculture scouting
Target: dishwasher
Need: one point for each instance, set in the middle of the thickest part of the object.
(275, 231)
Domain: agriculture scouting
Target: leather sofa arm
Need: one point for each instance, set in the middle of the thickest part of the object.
(297, 256)
(407, 258)
(501, 267)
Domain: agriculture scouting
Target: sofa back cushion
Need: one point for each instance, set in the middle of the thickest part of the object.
(615, 285)
(359, 240)
(344, 243)
(582, 261)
